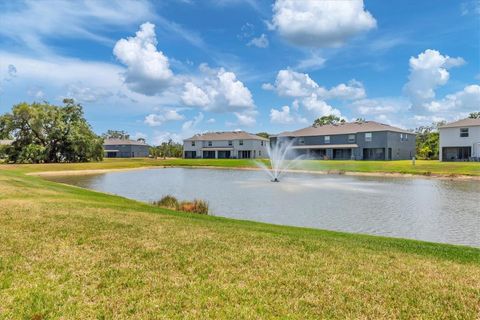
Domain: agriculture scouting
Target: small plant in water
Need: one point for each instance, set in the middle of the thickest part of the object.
(167, 201)
(195, 206)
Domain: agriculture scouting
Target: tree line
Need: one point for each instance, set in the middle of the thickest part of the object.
(46, 133)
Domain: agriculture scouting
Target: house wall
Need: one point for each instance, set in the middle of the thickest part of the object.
(129, 151)
(250, 144)
(401, 150)
(450, 137)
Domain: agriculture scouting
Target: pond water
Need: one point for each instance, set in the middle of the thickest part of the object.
(417, 208)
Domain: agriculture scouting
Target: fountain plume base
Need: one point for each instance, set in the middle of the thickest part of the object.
(281, 159)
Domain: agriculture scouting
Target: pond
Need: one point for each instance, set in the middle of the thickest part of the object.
(417, 208)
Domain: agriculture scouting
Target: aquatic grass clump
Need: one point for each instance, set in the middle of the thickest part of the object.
(168, 201)
(195, 206)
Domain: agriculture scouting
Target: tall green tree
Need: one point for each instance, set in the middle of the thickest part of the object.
(4, 125)
(474, 115)
(168, 149)
(330, 119)
(263, 135)
(116, 134)
(427, 141)
(47, 133)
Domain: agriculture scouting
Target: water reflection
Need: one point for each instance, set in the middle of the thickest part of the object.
(417, 208)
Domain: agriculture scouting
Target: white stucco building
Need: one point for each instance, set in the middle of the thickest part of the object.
(460, 140)
(225, 145)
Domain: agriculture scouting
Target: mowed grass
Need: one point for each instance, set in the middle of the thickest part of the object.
(67, 252)
(421, 167)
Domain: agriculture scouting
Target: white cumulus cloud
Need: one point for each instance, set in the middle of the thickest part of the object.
(428, 71)
(290, 83)
(164, 136)
(194, 96)
(245, 119)
(466, 100)
(218, 91)
(285, 115)
(316, 23)
(82, 93)
(148, 70)
(189, 126)
(319, 107)
(281, 116)
(260, 42)
(155, 120)
(352, 91)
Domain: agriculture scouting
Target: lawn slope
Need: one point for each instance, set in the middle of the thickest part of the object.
(67, 252)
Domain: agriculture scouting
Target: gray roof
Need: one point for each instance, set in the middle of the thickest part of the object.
(228, 135)
(469, 122)
(6, 142)
(116, 142)
(344, 128)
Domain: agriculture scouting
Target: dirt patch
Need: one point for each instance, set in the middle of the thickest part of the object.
(427, 175)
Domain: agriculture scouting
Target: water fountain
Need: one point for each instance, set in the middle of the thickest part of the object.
(280, 155)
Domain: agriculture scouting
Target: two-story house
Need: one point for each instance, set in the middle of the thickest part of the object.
(124, 148)
(460, 140)
(225, 145)
(363, 140)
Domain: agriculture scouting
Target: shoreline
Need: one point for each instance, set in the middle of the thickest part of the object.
(321, 172)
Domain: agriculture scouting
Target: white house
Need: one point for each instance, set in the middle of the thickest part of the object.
(225, 145)
(460, 140)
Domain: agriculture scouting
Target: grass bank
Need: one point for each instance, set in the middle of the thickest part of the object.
(67, 252)
(421, 167)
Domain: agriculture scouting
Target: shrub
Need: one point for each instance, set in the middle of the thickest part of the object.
(167, 201)
(197, 206)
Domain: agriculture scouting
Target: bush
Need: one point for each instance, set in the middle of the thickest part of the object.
(167, 201)
(3, 152)
(197, 206)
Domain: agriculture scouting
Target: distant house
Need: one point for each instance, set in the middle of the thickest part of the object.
(460, 140)
(363, 140)
(123, 148)
(225, 145)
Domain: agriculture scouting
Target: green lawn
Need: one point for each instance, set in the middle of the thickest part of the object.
(422, 167)
(68, 253)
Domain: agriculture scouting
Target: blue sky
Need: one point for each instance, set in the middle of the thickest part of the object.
(169, 69)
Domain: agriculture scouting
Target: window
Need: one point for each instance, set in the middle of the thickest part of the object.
(240, 142)
(209, 143)
(230, 143)
(301, 140)
(401, 136)
(464, 132)
(193, 143)
(259, 153)
(406, 138)
(327, 139)
(261, 143)
(368, 136)
(351, 138)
